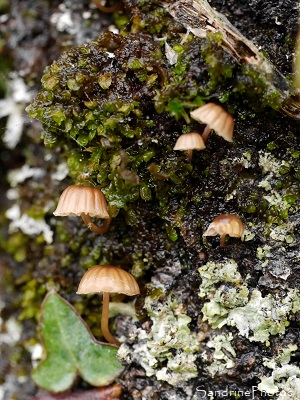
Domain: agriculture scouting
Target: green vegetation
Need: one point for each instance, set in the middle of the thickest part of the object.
(111, 111)
(71, 349)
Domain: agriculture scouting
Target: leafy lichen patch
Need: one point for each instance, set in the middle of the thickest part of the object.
(223, 286)
(285, 377)
(223, 354)
(169, 349)
(264, 316)
(256, 318)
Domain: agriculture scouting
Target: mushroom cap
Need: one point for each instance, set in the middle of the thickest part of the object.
(190, 141)
(216, 118)
(225, 224)
(76, 200)
(108, 279)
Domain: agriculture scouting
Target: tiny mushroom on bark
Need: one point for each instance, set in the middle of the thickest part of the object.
(225, 224)
(216, 118)
(108, 279)
(86, 202)
(190, 141)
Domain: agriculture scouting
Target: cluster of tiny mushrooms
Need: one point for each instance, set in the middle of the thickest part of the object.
(90, 202)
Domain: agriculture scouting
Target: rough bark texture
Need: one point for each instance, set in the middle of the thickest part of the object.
(209, 318)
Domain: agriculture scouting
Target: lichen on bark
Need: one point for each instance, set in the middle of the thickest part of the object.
(112, 109)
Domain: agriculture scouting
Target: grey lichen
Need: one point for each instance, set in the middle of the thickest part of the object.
(169, 349)
(256, 318)
(232, 292)
(265, 316)
(285, 378)
(223, 354)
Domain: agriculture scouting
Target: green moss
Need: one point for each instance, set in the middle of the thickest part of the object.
(253, 85)
(16, 245)
(219, 67)
(146, 15)
(36, 212)
(33, 294)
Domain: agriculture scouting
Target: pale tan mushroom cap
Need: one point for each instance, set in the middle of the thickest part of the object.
(190, 141)
(108, 279)
(225, 224)
(216, 118)
(76, 200)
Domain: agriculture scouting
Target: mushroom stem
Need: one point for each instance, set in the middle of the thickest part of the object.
(222, 240)
(104, 321)
(95, 228)
(105, 9)
(205, 133)
(190, 154)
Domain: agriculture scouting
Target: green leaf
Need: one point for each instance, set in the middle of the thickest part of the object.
(71, 349)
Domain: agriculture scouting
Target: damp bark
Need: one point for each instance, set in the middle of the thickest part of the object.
(118, 133)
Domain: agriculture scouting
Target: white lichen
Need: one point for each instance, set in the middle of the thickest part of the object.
(244, 160)
(222, 349)
(232, 293)
(264, 316)
(267, 258)
(256, 318)
(271, 168)
(213, 273)
(285, 378)
(11, 333)
(13, 107)
(269, 164)
(171, 54)
(282, 233)
(248, 234)
(170, 349)
(61, 172)
(19, 175)
(28, 225)
(264, 252)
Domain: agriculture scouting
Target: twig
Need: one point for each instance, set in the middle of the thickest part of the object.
(199, 18)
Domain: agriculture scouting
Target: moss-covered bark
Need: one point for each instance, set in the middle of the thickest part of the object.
(112, 108)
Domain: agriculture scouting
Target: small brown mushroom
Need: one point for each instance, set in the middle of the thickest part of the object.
(86, 202)
(216, 118)
(225, 224)
(190, 141)
(108, 279)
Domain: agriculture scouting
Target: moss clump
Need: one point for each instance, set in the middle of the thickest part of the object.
(253, 85)
(96, 89)
(97, 101)
(145, 15)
